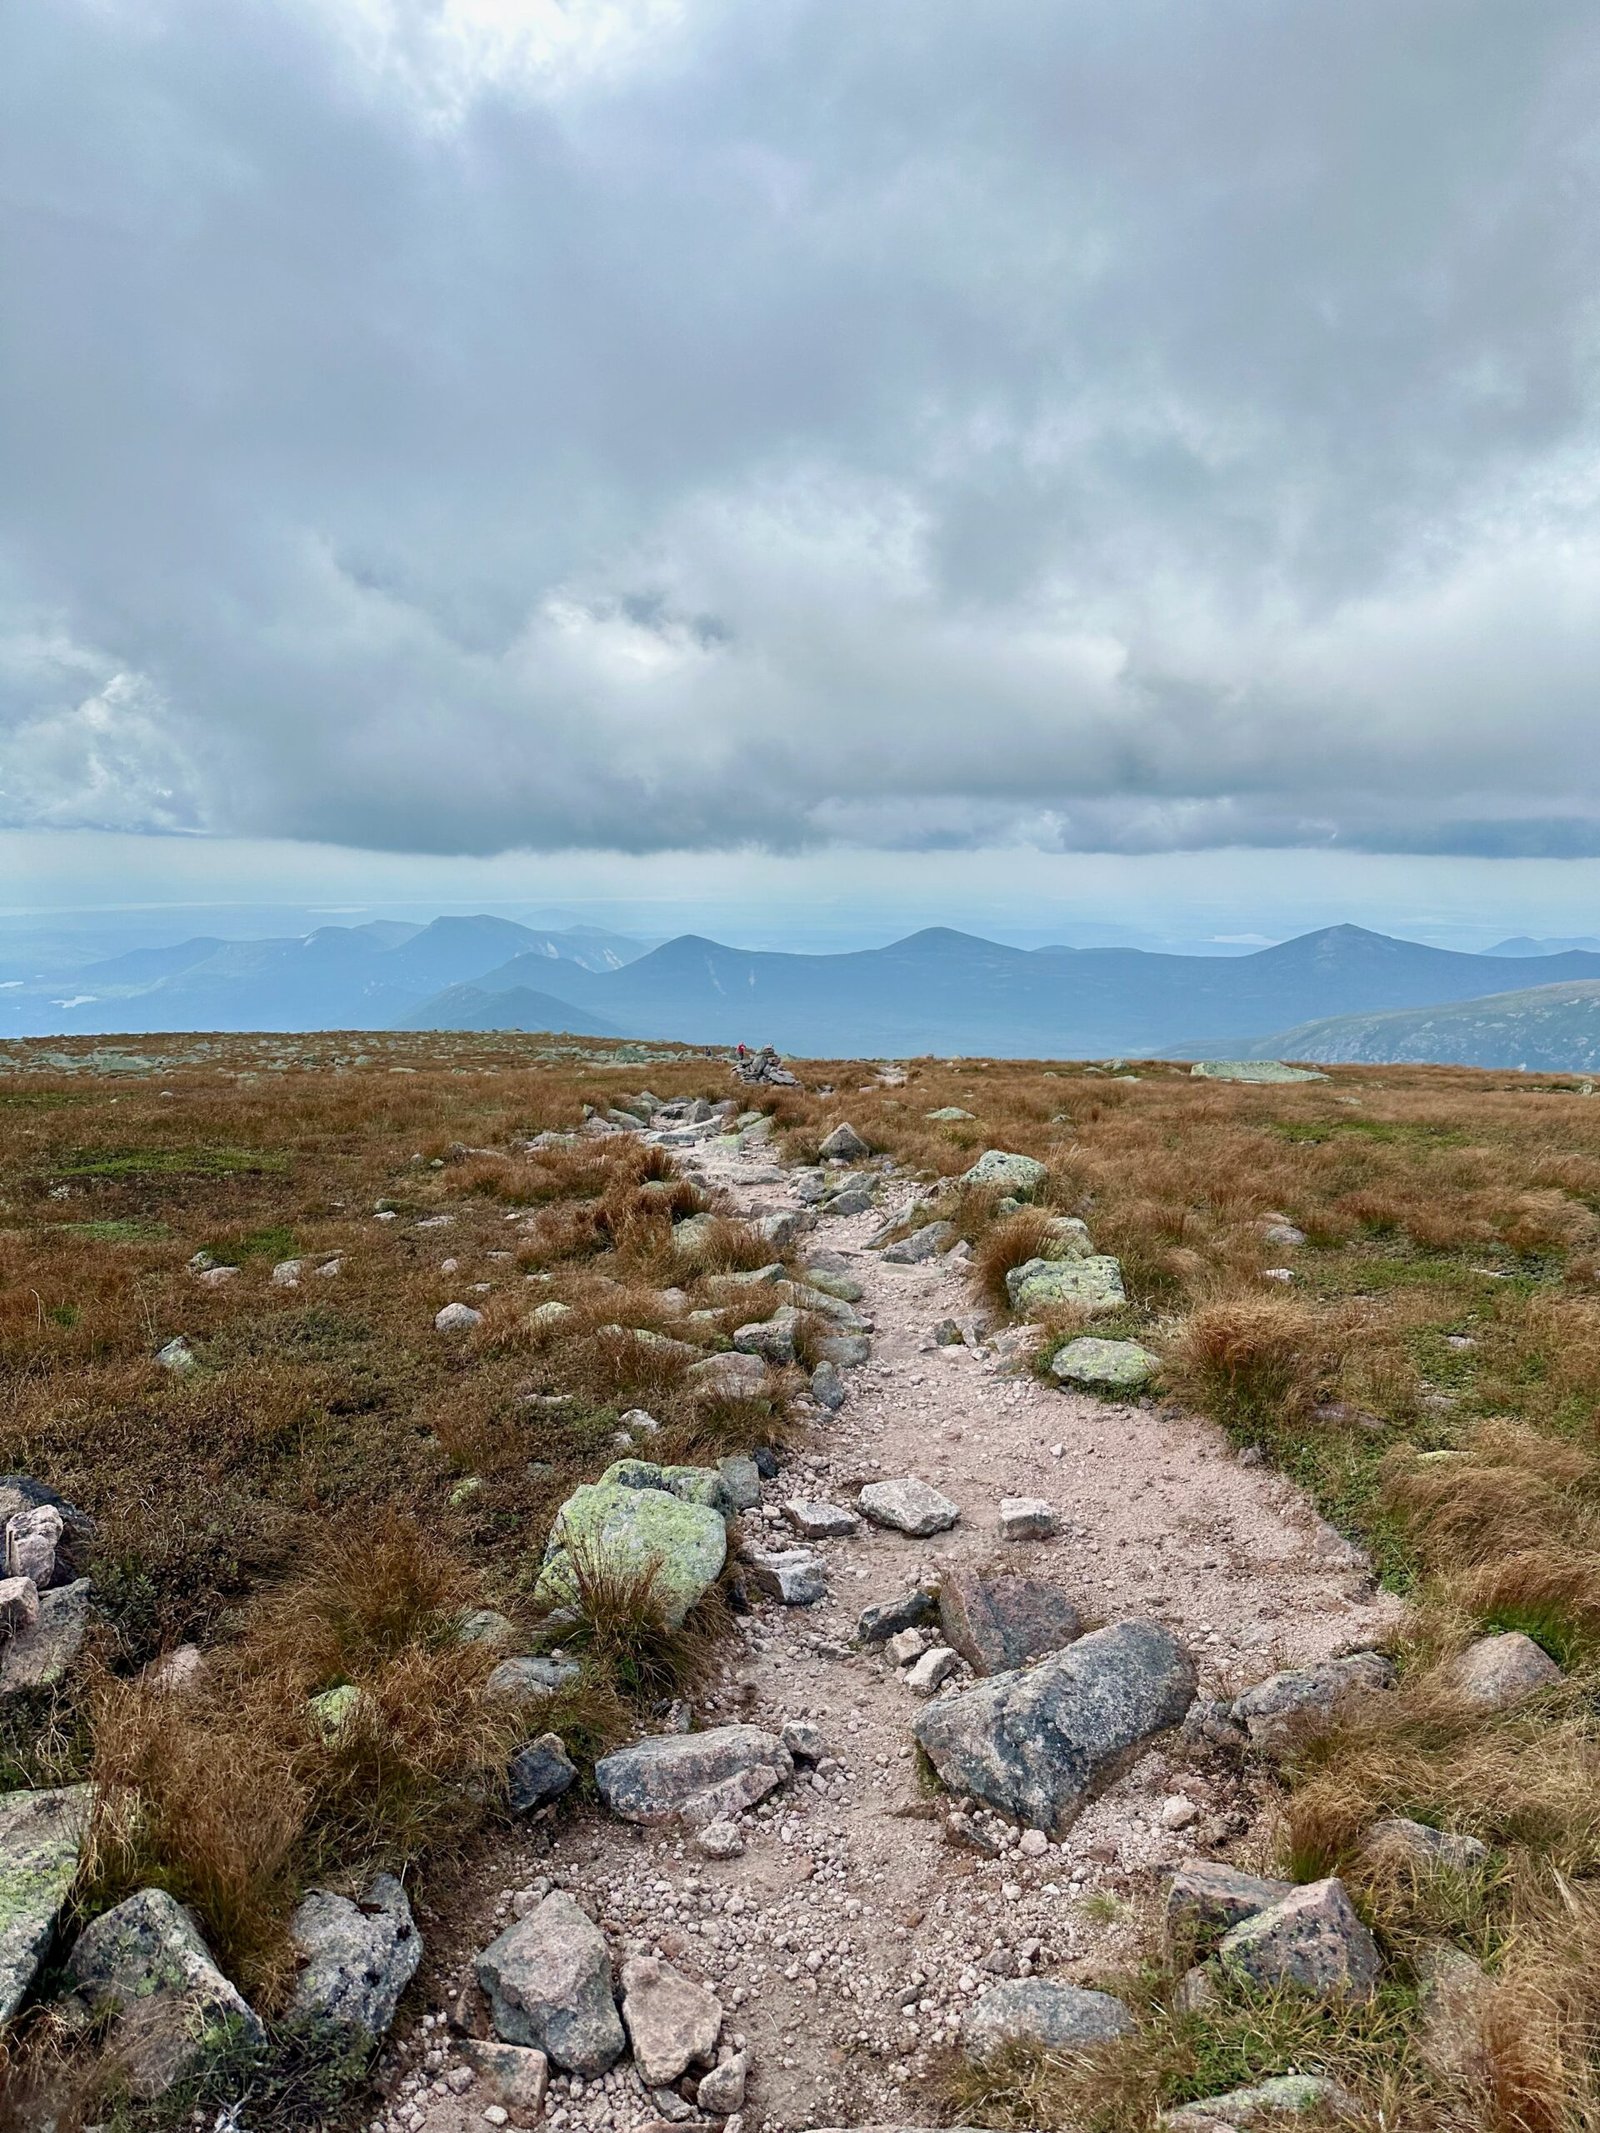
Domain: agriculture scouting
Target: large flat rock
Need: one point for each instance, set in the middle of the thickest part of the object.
(1038, 1745)
(698, 1777)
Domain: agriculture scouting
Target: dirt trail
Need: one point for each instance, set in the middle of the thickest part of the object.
(850, 1937)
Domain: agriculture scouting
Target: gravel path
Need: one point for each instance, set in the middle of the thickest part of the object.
(849, 1939)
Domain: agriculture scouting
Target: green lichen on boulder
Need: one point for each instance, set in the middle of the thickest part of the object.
(1105, 1366)
(41, 1834)
(1020, 1175)
(1092, 1284)
(612, 1528)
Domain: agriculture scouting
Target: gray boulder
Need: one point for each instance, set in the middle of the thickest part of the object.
(38, 1657)
(828, 1387)
(456, 1318)
(742, 1479)
(1037, 2010)
(925, 1243)
(540, 1773)
(732, 1376)
(548, 1978)
(770, 1338)
(1206, 1899)
(512, 2075)
(1310, 1940)
(1431, 1849)
(845, 1350)
(844, 1145)
(998, 1170)
(1264, 1070)
(41, 1835)
(1118, 1368)
(907, 1505)
(792, 1576)
(144, 1968)
(1037, 1745)
(698, 1777)
(671, 2021)
(1499, 1672)
(998, 1623)
(1092, 1284)
(531, 1680)
(886, 1618)
(815, 1520)
(1289, 1706)
(357, 1958)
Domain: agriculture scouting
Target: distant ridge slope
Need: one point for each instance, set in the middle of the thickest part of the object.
(520, 1008)
(1550, 1029)
(944, 991)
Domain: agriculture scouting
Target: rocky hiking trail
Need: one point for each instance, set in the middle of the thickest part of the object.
(854, 1919)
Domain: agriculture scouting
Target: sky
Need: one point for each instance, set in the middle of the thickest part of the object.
(1109, 459)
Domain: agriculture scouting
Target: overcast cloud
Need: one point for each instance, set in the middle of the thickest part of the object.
(1121, 425)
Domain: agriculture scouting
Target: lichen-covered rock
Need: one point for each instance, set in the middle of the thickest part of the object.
(41, 1835)
(721, 2092)
(1206, 1899)
(1288, 1706)
(907, 1505)
(1498, 1672)
(357, 1958)
(626, 1531)
(690, 1484)
(19, 1605)
(772, 1339)
(1310, 1940)
(1452, 2000)
(999, 1170)
(671, 2021)
(1038, 1745)
(1091, 1284)
(1037, 2010)
(1284, 2096)
(1116, 1368)
(998, 1623)
(700, 1777)
(144, 1966)
(548, 1978)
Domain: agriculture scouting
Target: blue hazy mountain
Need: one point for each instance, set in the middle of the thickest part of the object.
(943, 991)
(335, 977)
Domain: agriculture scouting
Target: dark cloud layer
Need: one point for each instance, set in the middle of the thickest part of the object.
(666, 423)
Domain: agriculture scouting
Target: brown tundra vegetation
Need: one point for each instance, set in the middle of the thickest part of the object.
(333, 1487)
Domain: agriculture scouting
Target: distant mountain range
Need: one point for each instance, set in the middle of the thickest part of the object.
(1342, 993)
(337, 977)
(1549, 1029)
(941, 991)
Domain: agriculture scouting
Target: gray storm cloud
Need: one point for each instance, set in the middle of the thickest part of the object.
(1125, 425)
